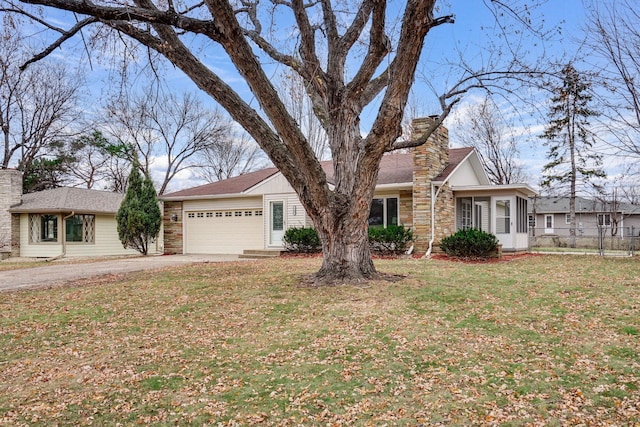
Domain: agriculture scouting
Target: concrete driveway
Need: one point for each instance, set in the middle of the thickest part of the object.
(66, 270)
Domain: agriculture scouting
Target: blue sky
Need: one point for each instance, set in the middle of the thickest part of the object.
(472, 33)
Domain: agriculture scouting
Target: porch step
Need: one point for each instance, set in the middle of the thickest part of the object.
(260, 253)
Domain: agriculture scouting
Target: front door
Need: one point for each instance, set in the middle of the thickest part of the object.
(503, 224)
(276, 231)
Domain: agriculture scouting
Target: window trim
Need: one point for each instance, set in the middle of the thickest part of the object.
(88, 229)
(385, 213)
(36, 228)
(603, 219)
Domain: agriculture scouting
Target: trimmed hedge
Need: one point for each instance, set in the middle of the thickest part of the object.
(390, 240)
(470, 243)
(394, 239)
(302, 240)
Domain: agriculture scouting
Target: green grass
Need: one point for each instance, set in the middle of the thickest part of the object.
(543, 340)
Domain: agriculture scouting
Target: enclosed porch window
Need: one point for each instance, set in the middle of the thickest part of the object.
(472, 212)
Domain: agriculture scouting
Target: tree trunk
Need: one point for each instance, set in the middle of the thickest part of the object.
(346, 254)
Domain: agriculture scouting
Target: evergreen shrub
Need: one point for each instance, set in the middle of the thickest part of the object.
(394, 239)
(302, 240)
(470, 243)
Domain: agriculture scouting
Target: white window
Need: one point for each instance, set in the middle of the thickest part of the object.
(567, 219)
(466, 213)
(200, 215)
(218, 214)
(258, 213)
(604, 219)
(228, 213)
(209, 214)
(191, 215)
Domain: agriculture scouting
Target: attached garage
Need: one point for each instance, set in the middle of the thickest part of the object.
(223, 231)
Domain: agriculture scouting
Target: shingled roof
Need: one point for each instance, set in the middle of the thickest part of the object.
(394, 169)
(68, 199)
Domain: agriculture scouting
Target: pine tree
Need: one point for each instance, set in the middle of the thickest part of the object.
(139, 216)
(571, 156)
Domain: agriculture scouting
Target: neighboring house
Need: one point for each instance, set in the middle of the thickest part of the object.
(252, 211)
(549, 219)
(61, 222)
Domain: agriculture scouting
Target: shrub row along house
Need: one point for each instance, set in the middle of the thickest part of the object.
(433, 189)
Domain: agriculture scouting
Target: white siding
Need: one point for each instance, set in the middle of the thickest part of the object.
(291, 204)
(464, 175)
(276, 184)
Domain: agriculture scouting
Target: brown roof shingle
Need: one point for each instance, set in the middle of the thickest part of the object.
(68, 199)
(394, 169)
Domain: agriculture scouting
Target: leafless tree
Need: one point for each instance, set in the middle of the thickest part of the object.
(484, 127)
(355, 58)
(300, 107)
(230, 155)
(37, 105)
(613, 35)
(164, 127)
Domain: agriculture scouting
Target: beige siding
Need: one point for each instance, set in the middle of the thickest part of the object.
(106, 241)
(38, 250)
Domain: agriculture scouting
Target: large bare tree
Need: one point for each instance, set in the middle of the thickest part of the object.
(613, 36)
(484, 127)
(232, 153)
(161, 126)
(353, 56)
(37, 106)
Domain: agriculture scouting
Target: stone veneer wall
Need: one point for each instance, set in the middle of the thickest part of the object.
(10, 194)
(172, 229)
(429, 161)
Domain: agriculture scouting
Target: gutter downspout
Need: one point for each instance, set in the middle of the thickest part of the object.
(434, 200)
(64, 237)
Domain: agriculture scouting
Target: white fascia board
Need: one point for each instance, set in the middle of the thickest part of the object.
(395, 186)
(524, 188)
(204, 197)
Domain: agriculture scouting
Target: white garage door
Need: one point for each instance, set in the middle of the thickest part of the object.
(223, 232)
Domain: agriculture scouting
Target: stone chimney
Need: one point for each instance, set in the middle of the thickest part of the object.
(10, 194)
(429, 160)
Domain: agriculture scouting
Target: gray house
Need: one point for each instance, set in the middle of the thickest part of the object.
(549, 221)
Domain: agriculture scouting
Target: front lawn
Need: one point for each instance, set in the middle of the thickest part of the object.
(541, 340)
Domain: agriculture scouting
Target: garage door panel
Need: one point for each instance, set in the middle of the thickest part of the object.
(223, 232)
